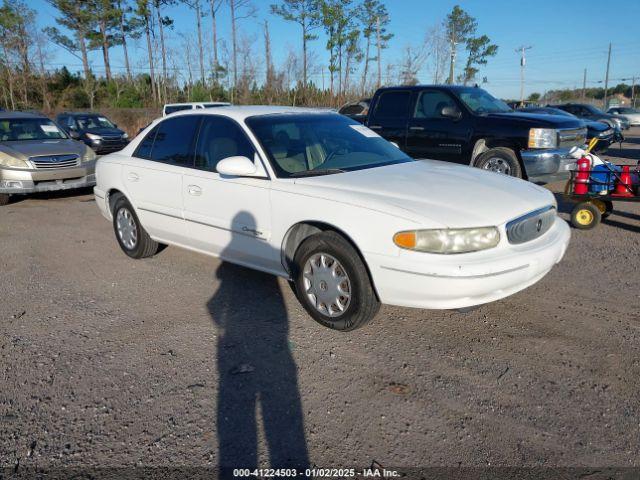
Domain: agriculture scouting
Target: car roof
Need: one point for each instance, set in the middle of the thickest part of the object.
(80, 114)
(243, 112)
(435, 87)
(184, 104)
(13, 114)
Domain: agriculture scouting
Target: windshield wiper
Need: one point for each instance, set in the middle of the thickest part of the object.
(313, 173)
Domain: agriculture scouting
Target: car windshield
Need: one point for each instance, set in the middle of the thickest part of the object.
(17, 129)
(594, 110)
(94, 121)
(318, 144)
(480, 101)
(628, 110)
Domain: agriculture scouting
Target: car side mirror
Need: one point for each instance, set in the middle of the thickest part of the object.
(237, 167)
(451, 112)
(74, 134)
(115, 125)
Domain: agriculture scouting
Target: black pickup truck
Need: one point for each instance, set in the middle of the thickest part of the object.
(467, 125)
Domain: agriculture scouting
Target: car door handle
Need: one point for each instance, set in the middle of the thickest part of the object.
(194, 190)
(133, 177)
(417, 129)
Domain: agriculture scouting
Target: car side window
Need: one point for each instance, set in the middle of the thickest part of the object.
(220, 138)
(393, 105)
(174, 143)
(146, 145)
(430, 104)
(70, 122)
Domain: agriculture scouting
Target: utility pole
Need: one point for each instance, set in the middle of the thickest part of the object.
(379, 51)
(584, 84)
(523, 61)
(633, 92)
(606, 78)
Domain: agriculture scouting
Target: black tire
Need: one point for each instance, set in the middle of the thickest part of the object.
(605, 207)
(500, 158)
(363, 304)
(585, 216)
(143, 246)
(4, 199)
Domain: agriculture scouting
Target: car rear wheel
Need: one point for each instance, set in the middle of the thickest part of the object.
(500, 160)
(332, 283)
(132, 237)
(4, 199)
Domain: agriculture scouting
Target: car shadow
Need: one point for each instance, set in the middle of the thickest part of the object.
(257, 373)
(56, 194)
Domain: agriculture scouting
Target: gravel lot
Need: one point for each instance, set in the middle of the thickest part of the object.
(106, 361)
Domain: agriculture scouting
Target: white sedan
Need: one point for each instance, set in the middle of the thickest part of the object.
(325, 202)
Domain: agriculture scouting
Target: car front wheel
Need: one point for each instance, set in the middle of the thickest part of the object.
(332, 283)
(132, 237)
(500, 160)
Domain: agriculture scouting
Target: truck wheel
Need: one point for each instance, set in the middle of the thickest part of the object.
(132, 237)
(500, 160)
(585, 216)
(332, 283)
(4, 199)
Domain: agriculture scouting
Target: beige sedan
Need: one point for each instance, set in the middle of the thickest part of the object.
(37, 156)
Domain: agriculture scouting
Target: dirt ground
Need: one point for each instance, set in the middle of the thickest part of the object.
(110, 362)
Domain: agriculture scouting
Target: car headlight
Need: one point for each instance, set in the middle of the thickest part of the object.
(93, 136)
(448, 240)
(125, 135)
(88, 155)
(12, 162)
(543, 138)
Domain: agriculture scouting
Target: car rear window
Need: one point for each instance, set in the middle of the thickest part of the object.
(393, 105)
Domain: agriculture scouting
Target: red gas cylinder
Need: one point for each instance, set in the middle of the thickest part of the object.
(624, 187)
(581, 185)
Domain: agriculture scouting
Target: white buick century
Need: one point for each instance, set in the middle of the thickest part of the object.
(325, 202)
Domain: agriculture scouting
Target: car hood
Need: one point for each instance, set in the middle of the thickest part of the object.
(541, 120)
(596, 126)
(430, 191)
(31, 148)
(104, 131)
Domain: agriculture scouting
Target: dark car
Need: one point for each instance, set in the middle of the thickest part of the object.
(95, 130)
(600, 130)
(467, 125)
(589, 112)
(356, 110)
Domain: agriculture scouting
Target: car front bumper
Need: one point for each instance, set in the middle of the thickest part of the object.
(547, 166)
(419, 280)
(23, 181)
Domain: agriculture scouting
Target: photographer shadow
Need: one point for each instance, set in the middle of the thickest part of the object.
(257, 373)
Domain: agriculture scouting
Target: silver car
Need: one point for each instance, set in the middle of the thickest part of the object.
(37, 156)
(631, 114)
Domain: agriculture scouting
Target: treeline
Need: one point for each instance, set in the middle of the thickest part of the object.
(200, 65)
(565, 95)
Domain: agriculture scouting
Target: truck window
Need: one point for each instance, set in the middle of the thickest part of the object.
(393, 105)
(430, 104)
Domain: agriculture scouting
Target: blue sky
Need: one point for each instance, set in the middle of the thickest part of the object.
(567, 36)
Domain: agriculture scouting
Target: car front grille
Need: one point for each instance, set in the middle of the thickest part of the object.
(572, 137)
(531, 226)
(48, 162)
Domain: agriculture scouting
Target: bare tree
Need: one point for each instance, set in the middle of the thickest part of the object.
(214, 6)
(437, 47)
(412, 62)
(239, 10)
